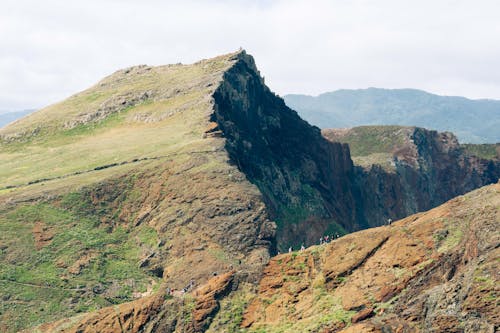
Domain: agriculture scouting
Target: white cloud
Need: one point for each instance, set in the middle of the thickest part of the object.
(51, 49)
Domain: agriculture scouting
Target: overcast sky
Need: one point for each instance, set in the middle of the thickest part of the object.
(53, 48)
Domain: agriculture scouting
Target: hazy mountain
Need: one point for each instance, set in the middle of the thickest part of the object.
(473, 121)
(8, 117)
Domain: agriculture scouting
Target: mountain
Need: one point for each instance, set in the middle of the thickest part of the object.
(121, 190)
(9, 117)
(185, 178)
(473, 121)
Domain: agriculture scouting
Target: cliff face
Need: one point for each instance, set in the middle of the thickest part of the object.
(305, 179)
(128, 194)
(311, 186)
(404, 170)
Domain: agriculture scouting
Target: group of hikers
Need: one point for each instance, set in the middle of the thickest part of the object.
(174, 292)
(322, 240)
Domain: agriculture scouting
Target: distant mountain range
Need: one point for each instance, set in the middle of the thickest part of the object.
(473, 121)
(8, 117)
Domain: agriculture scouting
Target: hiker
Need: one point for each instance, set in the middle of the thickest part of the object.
(302, 248)
(338, 236)
(290, 249)
(321, 240)
(389, 221)
(327, 239)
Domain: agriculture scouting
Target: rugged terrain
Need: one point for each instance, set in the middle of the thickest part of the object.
(431, 272)
(473, 121)
(160, 178)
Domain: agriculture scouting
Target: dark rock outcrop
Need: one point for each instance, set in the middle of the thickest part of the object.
(309, 183)
(306, 180)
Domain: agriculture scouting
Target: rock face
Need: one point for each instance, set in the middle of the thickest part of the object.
(404, 170)
(154, 204)
(311, 186)
(305, 180)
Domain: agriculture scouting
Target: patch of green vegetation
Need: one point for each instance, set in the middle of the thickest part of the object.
(367, 140)
(334, 228)
(148, 236)
(387, 305)
(230, 315)
(341, 279)
(222, 256)
(188, 304)
(453, 238)
(79, 256)
(486, 151)
(327, 311)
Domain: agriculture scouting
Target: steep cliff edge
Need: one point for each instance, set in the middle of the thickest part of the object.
(120, 192)
(305, 180)
(404, 170)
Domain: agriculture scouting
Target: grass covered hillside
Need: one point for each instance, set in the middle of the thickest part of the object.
(372, 144)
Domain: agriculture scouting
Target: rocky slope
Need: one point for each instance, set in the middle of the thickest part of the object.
(431, 272)
(162, 178)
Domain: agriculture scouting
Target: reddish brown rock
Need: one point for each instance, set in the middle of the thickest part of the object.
(362, 315)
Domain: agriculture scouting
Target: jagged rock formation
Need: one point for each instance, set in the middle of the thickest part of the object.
(158, 176)
(430, 272)
(305, 180)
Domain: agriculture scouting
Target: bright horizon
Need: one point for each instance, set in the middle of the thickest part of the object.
(448, 48)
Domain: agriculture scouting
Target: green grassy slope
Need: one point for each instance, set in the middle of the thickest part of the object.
(371, 145)
(133, 114)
